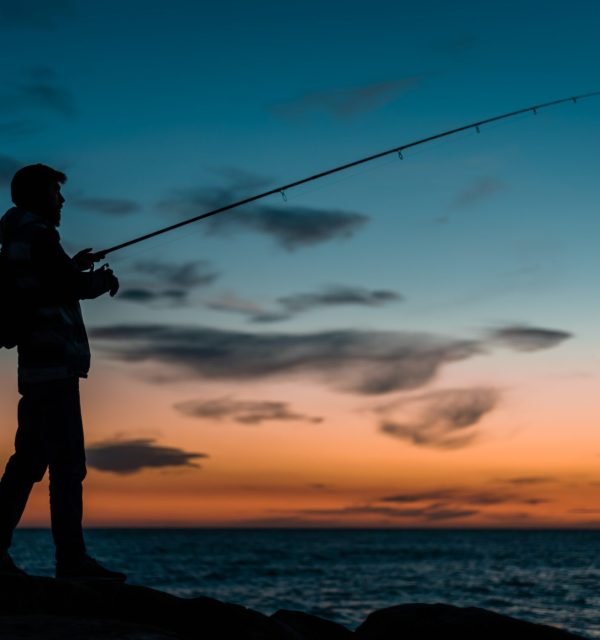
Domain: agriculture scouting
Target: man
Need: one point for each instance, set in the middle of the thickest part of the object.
(53, 353)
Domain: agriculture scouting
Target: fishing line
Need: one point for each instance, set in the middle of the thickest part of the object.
(398, 151)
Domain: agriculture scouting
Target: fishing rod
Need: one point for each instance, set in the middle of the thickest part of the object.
(100, 255)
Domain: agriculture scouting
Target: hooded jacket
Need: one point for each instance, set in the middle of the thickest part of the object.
(54, 343)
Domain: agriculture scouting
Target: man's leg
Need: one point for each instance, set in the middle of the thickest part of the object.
(25, 467)
(63, 433)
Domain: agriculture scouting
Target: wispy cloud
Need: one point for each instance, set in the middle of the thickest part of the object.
(292, 305)
(524, 338)
(529, 480)
(130, 456)
(365, 362)
(458, 43)
(292, 227)
(250, 412)
(170, 283)
(18, 128)
(8, 167)
(463, 496)
(35, 14)
(444, 419)
(479, 190)
(109, 206)
(38, 89)
(348, 101)
(143, 295)
(195, 273)
(430, 513)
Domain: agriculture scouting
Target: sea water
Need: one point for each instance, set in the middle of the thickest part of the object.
(552, 577)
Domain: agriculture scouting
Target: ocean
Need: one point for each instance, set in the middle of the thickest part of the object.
(551, 577)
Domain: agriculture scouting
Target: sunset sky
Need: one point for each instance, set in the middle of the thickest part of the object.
(412, 343)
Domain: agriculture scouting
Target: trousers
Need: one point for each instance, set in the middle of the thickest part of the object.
(49, 436)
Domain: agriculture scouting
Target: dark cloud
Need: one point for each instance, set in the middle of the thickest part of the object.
(347, 102)
(38, 89)
(290, 306)
(148, 295)
(366, 362)
(527, 480)
(337, 295)
(293, 227)
(167, 282)
(130, 456)
(429, 513)
(523, 338)
(34, 14)
(463, 497)
(197, 273)
(109, 206)
(231, 303)
(8, 167)
(290, 226)
(444, 419)
(458, 44)
(585, 511)
(482, 188)
(243, 411)
(18, 128)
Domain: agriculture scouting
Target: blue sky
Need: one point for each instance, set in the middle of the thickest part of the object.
(156, 110)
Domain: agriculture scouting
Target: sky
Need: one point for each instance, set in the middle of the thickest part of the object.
(412, 343)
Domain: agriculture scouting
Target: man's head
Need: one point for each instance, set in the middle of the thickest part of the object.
(36, 188)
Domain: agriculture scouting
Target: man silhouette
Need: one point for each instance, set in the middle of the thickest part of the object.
(53, 353)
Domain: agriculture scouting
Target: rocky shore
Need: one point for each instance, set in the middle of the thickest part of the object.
(47, 609)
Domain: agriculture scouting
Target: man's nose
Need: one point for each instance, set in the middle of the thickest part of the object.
(61, 198)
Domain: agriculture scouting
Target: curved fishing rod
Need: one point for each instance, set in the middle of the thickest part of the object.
(99, 255)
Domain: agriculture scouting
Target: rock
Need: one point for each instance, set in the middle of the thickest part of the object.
(189, 618)
(67, 628)
(438, 621)
(312, 627)
(46, 609)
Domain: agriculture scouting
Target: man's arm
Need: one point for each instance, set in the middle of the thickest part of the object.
(60, 277)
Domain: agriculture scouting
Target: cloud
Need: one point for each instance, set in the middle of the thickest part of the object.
(292, 227)
(18, 128)
(39, 89)
(527, 480)
(129, 456)
(465, 497)
(428, 513)
(232, 303)
(366, 362)
(349, 101)
(458, 44)
(8, 168)
(337, 295)
(442, 419)
(34, 14)
(290, 306)
(250, 412)
(196, 273)
(523, 338)
(109, 206)
(482, 188)
(168, 282)
(147, 295)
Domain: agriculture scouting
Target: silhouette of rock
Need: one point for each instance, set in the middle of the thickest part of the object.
(312, 627)
(435, 621)
(39, 608)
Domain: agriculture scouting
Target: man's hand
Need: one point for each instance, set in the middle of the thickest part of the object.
(112, 282)
(85, 259)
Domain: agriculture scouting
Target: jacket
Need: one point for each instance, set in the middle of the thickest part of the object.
(54, 343)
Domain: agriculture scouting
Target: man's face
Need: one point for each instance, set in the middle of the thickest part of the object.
(50, 203)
